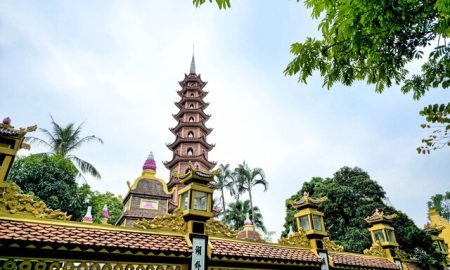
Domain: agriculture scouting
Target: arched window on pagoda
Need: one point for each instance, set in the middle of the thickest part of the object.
(191, 119)
(190, 134)
(190, 152)
(191, 106)
(192, 94)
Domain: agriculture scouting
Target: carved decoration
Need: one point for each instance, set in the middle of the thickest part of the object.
(306, 200)
(169, 222)
(379, 216)
(297, 239)
(332, 246)
(400, 254)
(14, 202)
(375, 250)
(217, 228)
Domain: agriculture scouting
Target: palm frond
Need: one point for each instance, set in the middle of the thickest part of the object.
(84, 140)
(84, 166)
(36, 140)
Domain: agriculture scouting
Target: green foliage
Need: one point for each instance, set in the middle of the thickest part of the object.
(223, 181)
(62, 141)
(52, 179)
(247, 178)
(373, 42)
(438, 118)
(98, 200)
(352, 196)
(236, 213)
(220, 3)
(441, 203)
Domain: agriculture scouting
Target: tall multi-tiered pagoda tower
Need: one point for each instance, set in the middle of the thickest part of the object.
(190, 144)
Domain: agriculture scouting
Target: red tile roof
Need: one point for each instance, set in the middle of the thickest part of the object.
(91, 237)
(348, 259)
(241, 249)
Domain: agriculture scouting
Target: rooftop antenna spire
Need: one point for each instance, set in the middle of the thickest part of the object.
(192, 71)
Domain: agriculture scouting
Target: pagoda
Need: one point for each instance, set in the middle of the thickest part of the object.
(190, 145)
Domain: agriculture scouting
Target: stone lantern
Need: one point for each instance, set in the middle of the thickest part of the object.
(381, 231)
(195, 199)
(310, 219)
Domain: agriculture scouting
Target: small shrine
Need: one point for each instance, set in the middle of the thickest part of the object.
(148, 196)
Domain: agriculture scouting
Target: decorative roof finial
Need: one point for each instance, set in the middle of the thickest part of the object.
(88, 217)
(192, 71)
(150, 163)
(7, 120)
(247, 220)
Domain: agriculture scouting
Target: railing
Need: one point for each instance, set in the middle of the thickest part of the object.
(63, 264)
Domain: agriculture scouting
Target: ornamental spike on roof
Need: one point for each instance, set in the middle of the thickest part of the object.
(192, 70)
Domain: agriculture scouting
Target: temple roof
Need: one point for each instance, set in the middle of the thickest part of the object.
(79, 237)
(223, 248)
(7, 129)
(355, 260)
(76, 234)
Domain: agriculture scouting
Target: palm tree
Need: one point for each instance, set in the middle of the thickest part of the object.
(236, 214)
(248, 178)
(63, 140)
(222, 181)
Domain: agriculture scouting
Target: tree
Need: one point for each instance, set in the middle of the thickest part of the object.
(248, 178)
(51, 179)
(98, 200)
(62, 141)
(441, 202)
(352, 196)
(374, 42)
(223, 180)
(236, 213)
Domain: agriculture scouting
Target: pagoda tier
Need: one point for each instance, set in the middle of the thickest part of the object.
(182, 125)
(181, 104)
(203, 94)
(189, 111)
(202, 159)
(192, 81)
(180, 140)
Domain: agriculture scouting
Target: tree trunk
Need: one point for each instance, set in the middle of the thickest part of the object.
(223, 201)
(251, 209)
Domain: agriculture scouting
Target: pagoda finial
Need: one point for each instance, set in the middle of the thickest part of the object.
(192, 71)
(150, 163)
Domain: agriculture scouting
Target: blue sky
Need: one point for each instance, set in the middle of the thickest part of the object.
(116, 65)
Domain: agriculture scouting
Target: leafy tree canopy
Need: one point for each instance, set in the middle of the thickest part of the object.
(441, 202)
(374, 41)
(236, 213)
(51, 179)
(352, 196)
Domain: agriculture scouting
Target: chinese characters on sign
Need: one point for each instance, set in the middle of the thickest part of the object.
(198, 253)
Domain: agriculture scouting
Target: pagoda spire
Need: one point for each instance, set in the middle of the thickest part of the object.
(192, 70)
